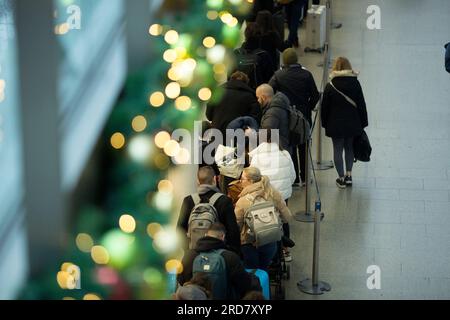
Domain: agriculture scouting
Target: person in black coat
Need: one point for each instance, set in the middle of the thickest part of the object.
(260, 5)
(344, 116)
(253, 44)
(447, 57)
(275, 113)
(207, 181)
(270, 39)
(239, 100)
(299, 86)
(239, 280)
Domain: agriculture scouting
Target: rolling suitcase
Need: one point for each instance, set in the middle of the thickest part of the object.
(316, 29)
(263, 277)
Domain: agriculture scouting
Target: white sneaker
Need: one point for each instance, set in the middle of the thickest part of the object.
(287, 256)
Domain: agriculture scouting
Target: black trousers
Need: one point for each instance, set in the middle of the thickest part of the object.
(299, 155)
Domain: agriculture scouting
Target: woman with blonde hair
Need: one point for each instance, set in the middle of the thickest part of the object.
(257, 187)
(344, 116)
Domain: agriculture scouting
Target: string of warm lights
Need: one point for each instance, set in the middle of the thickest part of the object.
(132, 250)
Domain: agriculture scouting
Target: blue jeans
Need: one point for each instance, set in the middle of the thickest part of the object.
(259, 258)
(293, 14)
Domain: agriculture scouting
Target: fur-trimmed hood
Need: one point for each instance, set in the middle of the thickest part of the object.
(343, 73)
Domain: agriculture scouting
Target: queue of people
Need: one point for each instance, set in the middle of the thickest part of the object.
(237, 224)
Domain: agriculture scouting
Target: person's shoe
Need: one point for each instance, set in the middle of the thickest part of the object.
(295, 44)
(287, 256)
(348, 181)
(341, 183)
(287, 242)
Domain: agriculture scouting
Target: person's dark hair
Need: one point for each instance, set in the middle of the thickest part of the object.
(202, 279)
(252, 31)
(206, 175)
(217, 228)
(241, 76)
(264, 22)
(254, 295)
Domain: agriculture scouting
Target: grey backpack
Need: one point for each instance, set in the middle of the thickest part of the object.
(203, 215)
(263, 221)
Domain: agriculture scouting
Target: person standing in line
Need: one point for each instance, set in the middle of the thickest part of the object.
(256, 186)
(270, 40)
(275, 113)
(299, 86)
(294, 14)
(277, 165)
(344, 116)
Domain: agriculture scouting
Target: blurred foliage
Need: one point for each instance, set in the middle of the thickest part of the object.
(135, 269)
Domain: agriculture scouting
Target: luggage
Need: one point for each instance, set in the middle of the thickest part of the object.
(263, 221)
(263, 277)
(228, 162)
(255, 64)
(361, 148)
(213, 264)
(316, 28)
(202, 216)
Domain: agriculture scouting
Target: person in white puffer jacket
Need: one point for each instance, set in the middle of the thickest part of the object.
(276, 164)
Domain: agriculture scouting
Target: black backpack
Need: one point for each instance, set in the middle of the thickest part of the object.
(253, 64)
(362, 148)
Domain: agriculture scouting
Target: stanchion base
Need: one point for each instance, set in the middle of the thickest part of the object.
(323, 165)
(307, 286)
(307, 217)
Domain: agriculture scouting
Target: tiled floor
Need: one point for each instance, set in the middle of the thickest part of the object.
(397, 216)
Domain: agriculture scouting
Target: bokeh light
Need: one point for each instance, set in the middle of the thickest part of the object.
(171, 37)
(153, 229)
(157, 99)
(140, 148)
(173, 90)
(127, 223)
(100, 255)
(209, 42)
(172, 148)
(139, 123)
(162, 138)
(183, 103)
(121, 248)
(165, 186)
(84, 242)
(174, 266)
(155, 30)
(117, 140)
(205, 94)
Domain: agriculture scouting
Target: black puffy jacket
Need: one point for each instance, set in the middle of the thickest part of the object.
(299, 86)
(239, 100)
(339, 117)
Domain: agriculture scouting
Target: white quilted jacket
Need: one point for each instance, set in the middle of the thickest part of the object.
(275, 164)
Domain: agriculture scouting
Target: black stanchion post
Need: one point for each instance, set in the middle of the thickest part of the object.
(314, 286)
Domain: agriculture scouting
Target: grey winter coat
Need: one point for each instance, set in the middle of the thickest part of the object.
(276, 116)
